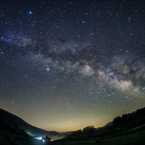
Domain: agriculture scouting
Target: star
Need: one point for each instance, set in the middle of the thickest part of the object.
(78, 57)
(48, 69)
(30, 12)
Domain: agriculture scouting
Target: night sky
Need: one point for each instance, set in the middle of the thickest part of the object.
(65, 65)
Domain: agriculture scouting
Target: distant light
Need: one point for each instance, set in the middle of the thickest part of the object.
(127, 51)
(39, 138)
(47, 69)
(43, 140)
(135, 10)
(83, 22)
(131, 34)
(30, 12)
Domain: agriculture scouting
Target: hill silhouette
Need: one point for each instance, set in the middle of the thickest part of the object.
(129, 120)
(12, 123)
(128, 129)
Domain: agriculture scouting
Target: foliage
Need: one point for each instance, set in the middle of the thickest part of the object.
(129, 120)
(89, 130)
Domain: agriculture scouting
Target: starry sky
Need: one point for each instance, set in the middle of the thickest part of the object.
(68, 64)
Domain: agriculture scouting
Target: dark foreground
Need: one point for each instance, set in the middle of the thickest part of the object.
(126, 130)
(7, 138)
(136, 139)
(130, 137)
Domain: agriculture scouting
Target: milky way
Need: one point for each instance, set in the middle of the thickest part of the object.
(69, 64)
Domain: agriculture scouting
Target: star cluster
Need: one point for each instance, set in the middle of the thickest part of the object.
(69, 64)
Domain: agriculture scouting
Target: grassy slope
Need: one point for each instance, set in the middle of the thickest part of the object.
(132, 138)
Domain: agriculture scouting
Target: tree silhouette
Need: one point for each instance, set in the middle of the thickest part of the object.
(89, 130)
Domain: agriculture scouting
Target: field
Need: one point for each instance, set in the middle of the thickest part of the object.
(131, 137)
(134, 136)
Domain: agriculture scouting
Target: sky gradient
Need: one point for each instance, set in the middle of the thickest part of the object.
(65, 65)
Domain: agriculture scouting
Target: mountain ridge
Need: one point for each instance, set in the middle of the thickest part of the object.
(18, 123)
